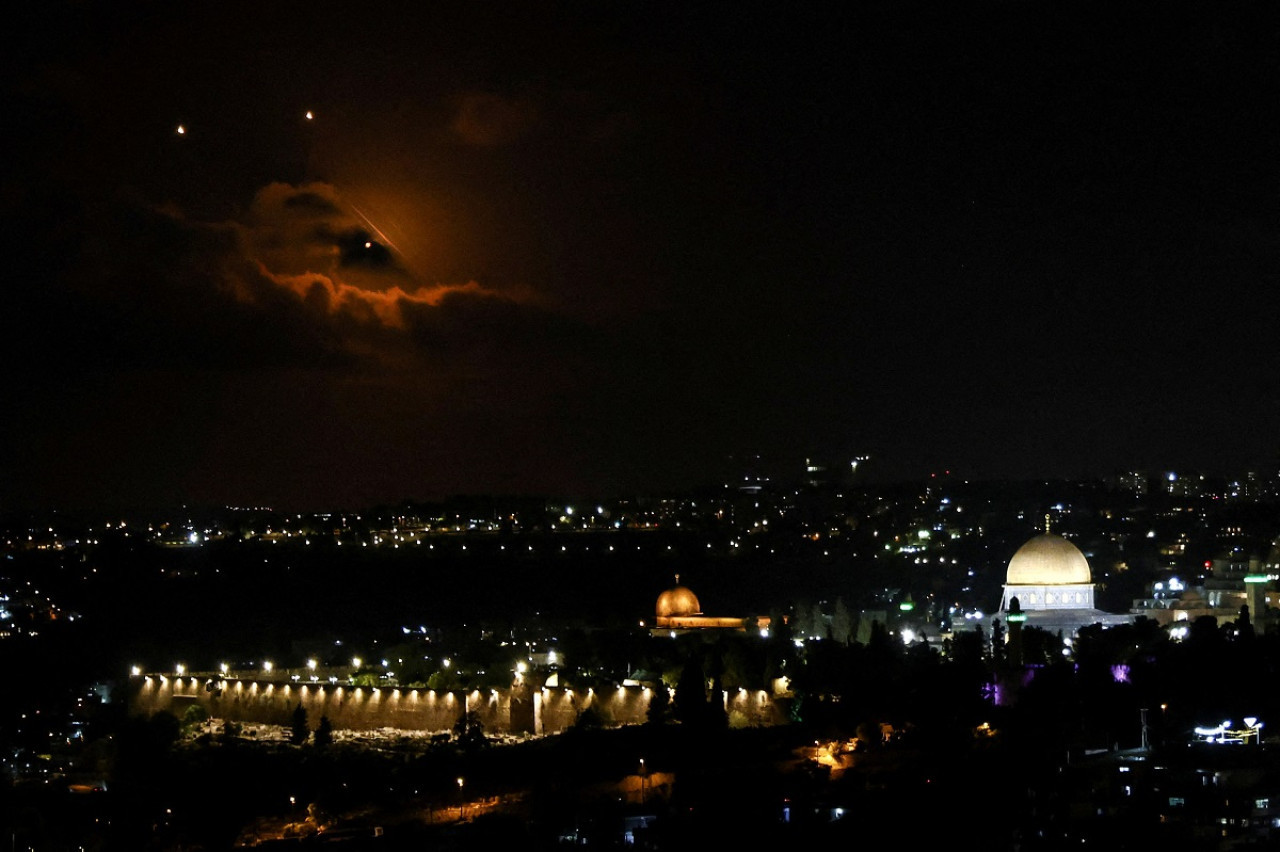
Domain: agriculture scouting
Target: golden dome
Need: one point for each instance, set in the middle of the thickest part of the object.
(1048, 560)
(678, 600)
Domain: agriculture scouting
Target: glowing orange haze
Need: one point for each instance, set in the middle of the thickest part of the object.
(290, 236)
(380, 305)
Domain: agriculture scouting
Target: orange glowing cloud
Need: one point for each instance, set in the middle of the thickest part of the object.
(382, 306)
(316, 246)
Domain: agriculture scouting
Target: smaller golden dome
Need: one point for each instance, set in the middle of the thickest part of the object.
(678, 600)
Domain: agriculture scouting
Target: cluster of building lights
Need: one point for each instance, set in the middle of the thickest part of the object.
(1226, 733)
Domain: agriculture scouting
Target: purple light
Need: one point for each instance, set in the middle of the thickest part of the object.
(1120, 673)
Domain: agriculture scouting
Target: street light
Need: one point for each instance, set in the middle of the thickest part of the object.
(462, 802)
(644, 776)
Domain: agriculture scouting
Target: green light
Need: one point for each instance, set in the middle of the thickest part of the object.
(906, 606)
(1257, 578)
(1016, 617)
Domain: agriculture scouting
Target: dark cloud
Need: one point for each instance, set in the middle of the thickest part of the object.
(312, 201)
(295, 282)
(361, 248)
(153, 289)
(214, 359)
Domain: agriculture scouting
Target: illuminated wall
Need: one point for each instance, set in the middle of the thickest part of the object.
(520, 709)
(753, 708)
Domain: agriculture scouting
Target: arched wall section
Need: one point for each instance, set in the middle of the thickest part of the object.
(518, 709)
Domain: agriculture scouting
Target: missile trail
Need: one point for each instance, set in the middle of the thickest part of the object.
(381, 236)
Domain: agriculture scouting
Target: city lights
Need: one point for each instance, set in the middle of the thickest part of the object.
(612, 307)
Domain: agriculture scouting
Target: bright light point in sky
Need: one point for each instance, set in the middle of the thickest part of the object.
(181, 130)
(309, 115)
(368, 245)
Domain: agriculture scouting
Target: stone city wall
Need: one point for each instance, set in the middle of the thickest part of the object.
(518, 709)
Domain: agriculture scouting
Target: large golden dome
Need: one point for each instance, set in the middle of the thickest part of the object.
(1048, 560)
(678, 600)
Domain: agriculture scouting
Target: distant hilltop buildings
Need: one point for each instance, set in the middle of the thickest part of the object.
(1261, 483)
(933, 554)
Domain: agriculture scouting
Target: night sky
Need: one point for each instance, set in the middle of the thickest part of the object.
(601, 248)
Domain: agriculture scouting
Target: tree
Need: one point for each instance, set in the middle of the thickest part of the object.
(163, 730)
(317, 815)
(869, 734)
(469, 731)
(796, 708)
(1039, 646)
(818, 622)
(841, 623)
(299, 733)
(969, 647)
(659, 712)
(590, 719)
(195, 716)
(738, 667)
(716, 713)
(690, 703)
(997, 643)
(324, 733)
(443, 680)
